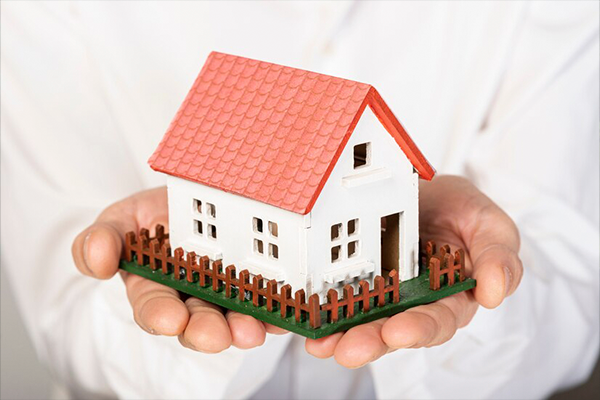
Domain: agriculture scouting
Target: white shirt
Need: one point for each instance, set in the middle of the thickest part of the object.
(504, 93)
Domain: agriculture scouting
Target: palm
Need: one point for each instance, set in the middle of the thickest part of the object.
(159, 309)
(452, 211)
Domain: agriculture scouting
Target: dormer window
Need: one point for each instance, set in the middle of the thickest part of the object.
(362, 155)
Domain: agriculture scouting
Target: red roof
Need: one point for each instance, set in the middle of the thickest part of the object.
(269, 132)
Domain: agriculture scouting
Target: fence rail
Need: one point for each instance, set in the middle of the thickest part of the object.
(156, 252)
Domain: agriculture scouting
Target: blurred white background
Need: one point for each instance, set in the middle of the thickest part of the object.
(23, 377)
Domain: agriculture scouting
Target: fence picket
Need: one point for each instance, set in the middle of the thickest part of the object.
(243, 282)
(314, 311)
(379, 284)
(299, 300)
(257, 283)
(177, 262)
(189, 267)
(332, 299)
(349, 299)
(156, 253)
(395, 286)
(229, 276)
(434, 273)
(449, 269)
(217, 267)
(271, 292)
(144, 244)
(129, 245)
(165, 256)
(285, 299)
(202, 267)
(365, 298)
(154, 250)
(160, 233)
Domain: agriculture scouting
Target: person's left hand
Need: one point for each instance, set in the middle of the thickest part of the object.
(454, 212)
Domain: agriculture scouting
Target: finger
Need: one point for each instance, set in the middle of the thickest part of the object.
(207, 330)
(487, 232)
(156, 308)
(274, 330)
(323, 347)
(498, 271)
(361, 345)
(97, 250)
(246, 332)
(493, 241)
(431, 324)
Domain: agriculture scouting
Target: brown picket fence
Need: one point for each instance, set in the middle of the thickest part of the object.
(156, 253)
(443, 264)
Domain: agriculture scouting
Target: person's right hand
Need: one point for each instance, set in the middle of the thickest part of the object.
(158, 309)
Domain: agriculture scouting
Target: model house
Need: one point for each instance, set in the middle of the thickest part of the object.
(300, 177)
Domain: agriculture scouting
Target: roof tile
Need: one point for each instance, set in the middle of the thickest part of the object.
(269, 132)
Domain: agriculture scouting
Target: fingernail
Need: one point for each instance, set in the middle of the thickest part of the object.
(507, 280)
(85, 254)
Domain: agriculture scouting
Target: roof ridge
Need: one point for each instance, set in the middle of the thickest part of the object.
(284, 66)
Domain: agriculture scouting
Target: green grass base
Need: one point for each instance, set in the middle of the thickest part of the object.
(413, 292)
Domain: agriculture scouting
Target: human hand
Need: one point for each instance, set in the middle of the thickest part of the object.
(455, 212)
(158, 309)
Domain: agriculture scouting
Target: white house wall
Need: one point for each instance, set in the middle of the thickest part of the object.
(235, 234)
(387, 186)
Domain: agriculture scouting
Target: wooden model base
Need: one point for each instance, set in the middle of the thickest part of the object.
(310, 319)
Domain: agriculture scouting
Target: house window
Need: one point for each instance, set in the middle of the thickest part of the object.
(264, 239)
(273, 229)
(353, 227)
(211, 210)
(257, 225)
(198, 227)
(336, 231)
(273, 251)
(203, 217)
(258, 246)
(353, 249)
(345, 244)
(336, 253)
(362, 155)
(212, 231)
(198, 206)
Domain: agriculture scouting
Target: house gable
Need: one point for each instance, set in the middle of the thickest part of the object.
(354, 200)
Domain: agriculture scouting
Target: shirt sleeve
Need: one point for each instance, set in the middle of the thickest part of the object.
(65, 157)
(538, 158)
(536, 155)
